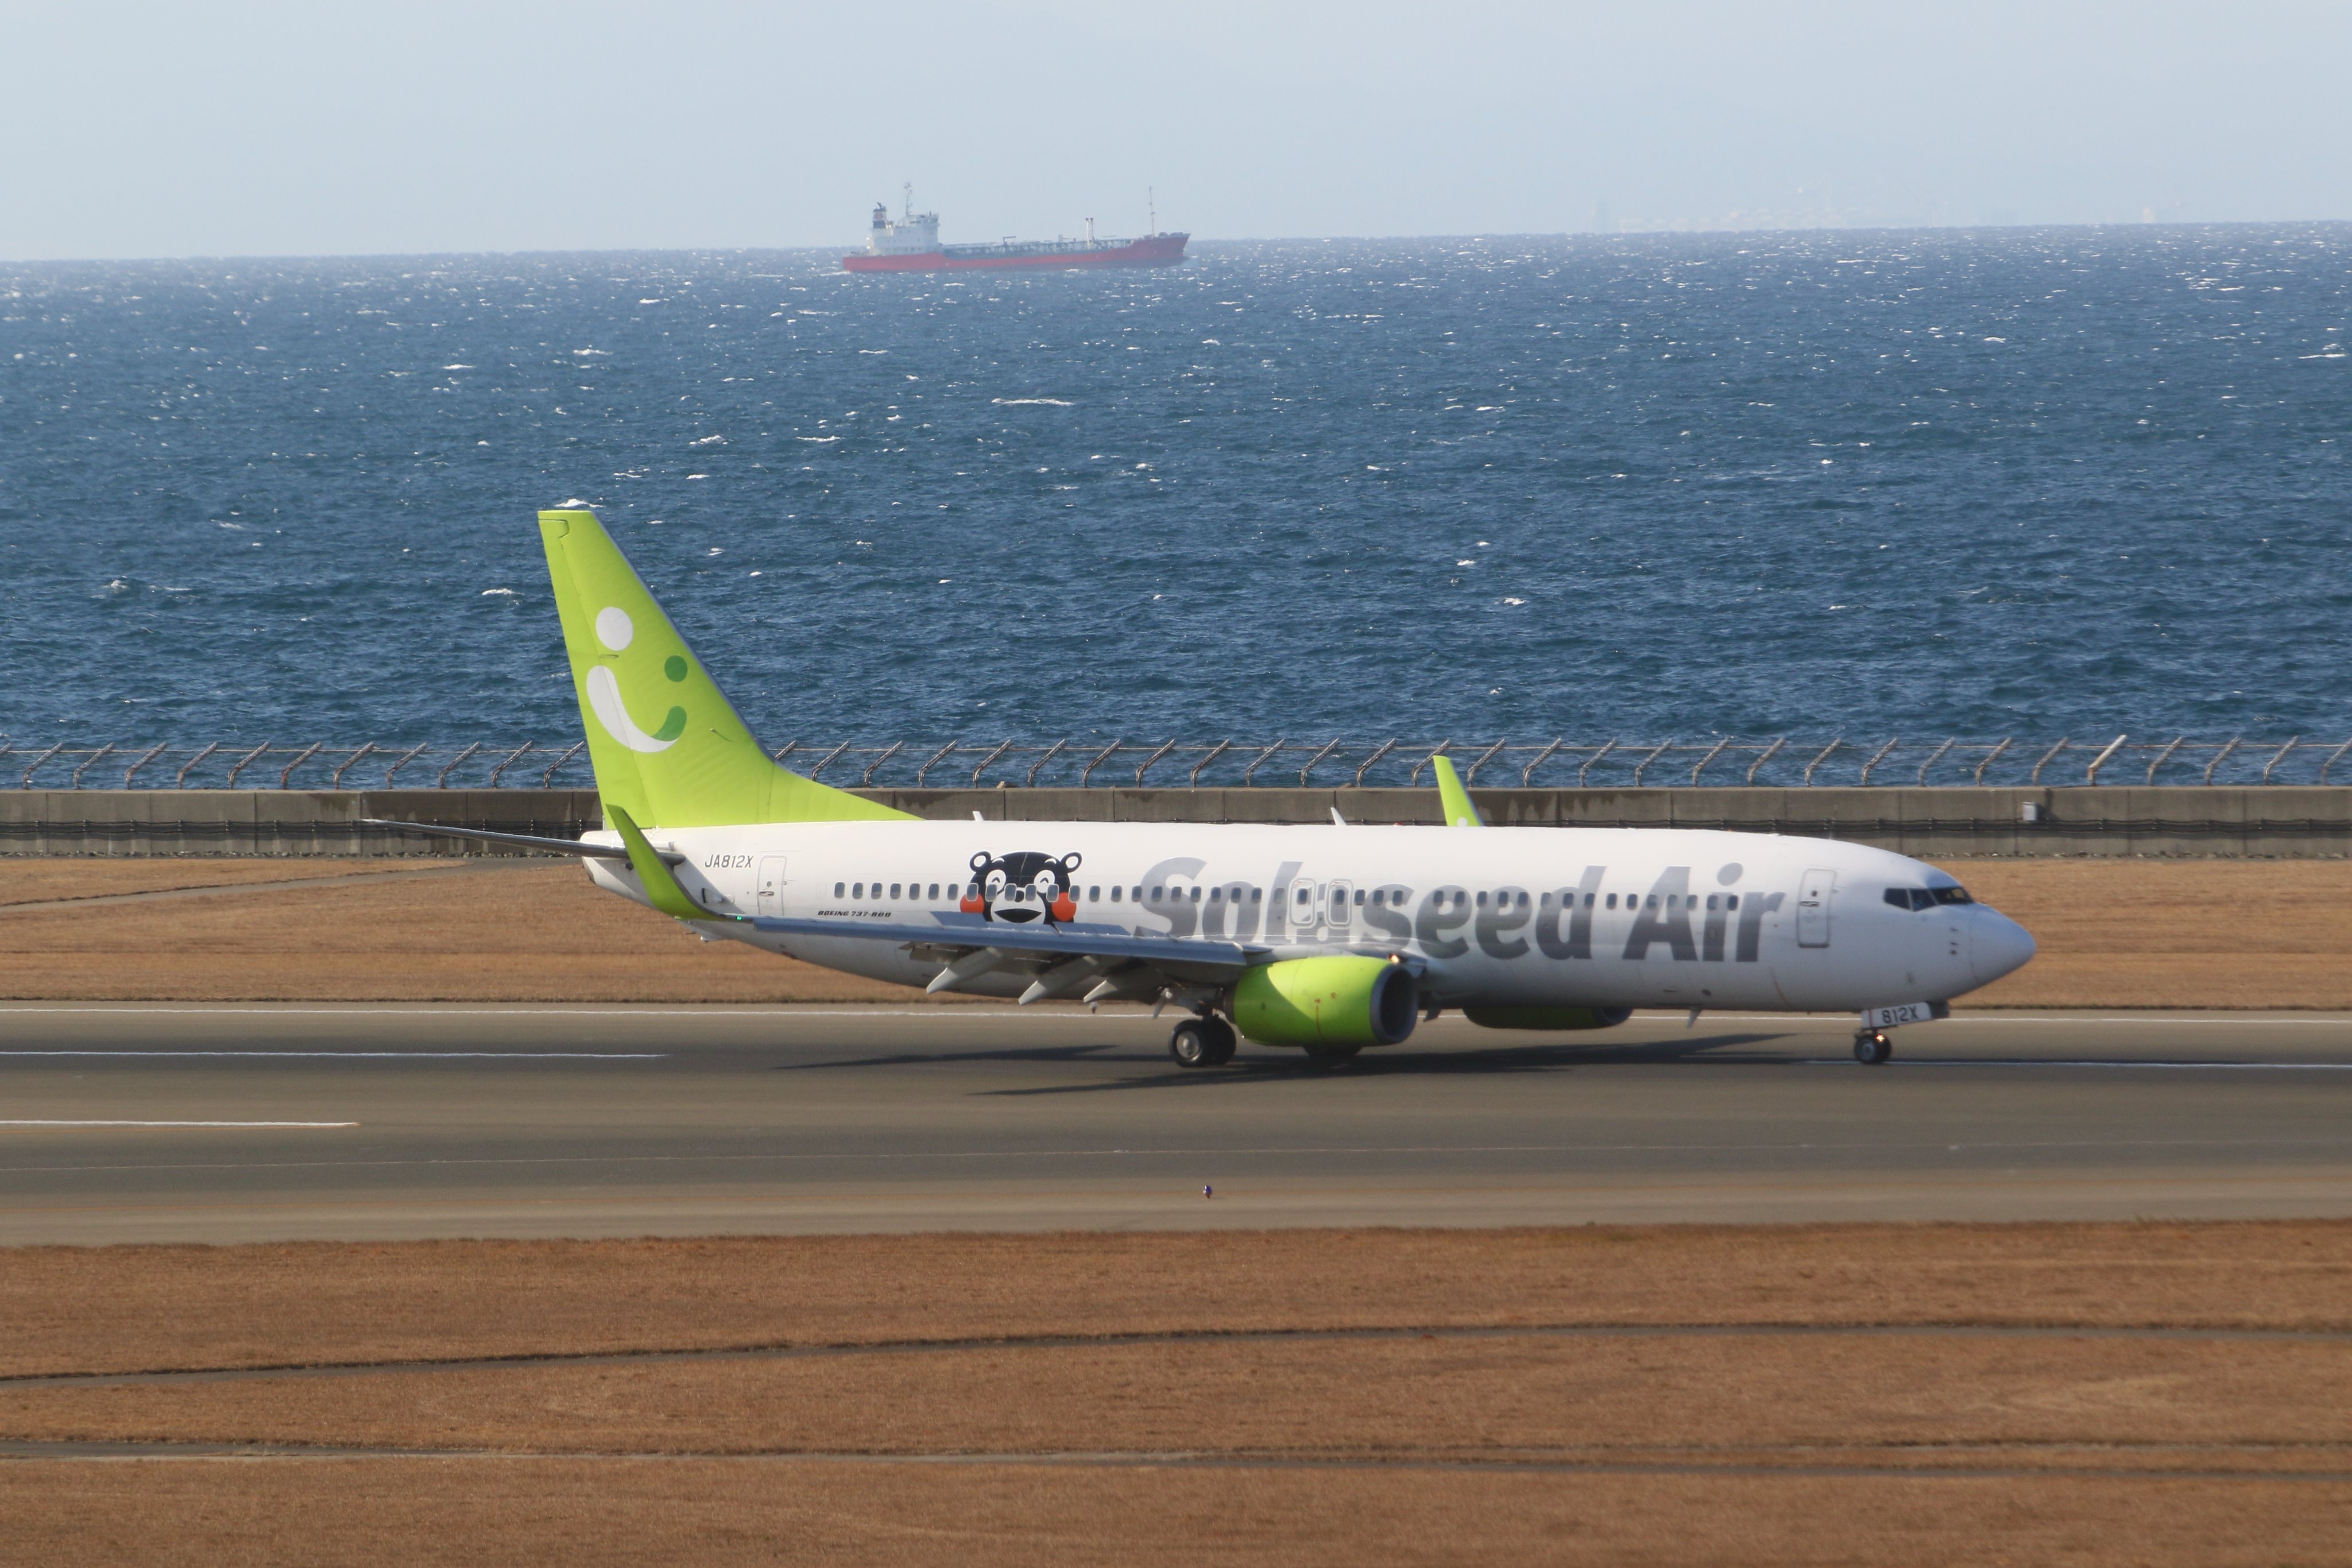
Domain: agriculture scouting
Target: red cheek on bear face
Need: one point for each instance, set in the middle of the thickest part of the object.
(970, 905)
(1065, 908)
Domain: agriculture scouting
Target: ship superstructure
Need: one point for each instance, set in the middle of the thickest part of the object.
(910, 243)
(916, 234)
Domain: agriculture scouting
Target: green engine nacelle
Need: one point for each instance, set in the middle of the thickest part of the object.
(1327, 1001)
(1548, 1018)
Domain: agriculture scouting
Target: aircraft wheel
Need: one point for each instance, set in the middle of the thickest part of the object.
(1223, 1042)
(1193, 1044)
(1331, 1055)
(1872, 1048)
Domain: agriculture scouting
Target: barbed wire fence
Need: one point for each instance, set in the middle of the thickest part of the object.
(1615, 763)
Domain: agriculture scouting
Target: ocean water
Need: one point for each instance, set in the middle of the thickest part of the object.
(2039, 483)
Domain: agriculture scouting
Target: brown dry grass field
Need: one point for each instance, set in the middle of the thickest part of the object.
(43, 880)
(2184, 933)
(491, 930)
(1850, 1395)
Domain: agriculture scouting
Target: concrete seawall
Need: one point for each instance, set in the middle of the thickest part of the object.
(2292, 822)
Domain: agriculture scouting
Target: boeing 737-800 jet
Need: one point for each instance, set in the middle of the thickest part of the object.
(1327, 938)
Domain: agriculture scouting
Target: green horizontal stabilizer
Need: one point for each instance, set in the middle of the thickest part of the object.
(661, 887)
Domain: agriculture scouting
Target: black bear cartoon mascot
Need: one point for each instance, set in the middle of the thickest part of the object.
(1023, 888)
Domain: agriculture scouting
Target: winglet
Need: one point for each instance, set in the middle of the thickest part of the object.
(661, 887)
(1459, 812)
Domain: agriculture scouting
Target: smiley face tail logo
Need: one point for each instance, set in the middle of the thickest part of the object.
(615, 631)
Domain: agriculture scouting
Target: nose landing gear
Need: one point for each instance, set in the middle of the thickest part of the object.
(1872, 1047)
(1205, 1041)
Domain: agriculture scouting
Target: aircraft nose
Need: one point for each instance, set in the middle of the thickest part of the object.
(1997, 945)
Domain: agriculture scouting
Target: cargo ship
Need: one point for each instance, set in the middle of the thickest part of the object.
(911, 244)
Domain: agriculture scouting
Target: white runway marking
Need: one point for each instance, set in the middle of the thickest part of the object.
(2165, 1066)
(1846, 1021)
(2145, 1020)
(967, 1010)
(94, 1123)
(6, 1052)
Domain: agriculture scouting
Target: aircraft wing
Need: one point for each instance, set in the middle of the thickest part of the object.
(1057, 960)
(1061, 960)
(1084, 950)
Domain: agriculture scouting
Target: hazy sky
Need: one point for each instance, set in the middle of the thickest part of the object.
(145, 129)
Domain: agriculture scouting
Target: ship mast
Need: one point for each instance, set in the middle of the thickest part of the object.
(1151, 205)
(909, 188)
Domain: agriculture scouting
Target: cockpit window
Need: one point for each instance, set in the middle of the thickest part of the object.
(1926, 897)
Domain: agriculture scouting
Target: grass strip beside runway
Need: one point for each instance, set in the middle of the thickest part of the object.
(2093, 1394)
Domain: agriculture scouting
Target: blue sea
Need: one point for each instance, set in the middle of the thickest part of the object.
(2020, 482)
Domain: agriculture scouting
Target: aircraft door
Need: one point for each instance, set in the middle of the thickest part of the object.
(770, 885)
(1814, 894)
(1302, 905)
(1335, 903)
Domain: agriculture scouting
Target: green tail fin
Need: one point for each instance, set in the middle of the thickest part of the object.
(694, 764)
(1455, 799)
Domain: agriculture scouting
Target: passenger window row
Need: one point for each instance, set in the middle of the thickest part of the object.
(1687, 902)
(1378, 898)
(1236, 894)
(912, 890)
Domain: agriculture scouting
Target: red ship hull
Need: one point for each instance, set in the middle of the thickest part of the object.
(1154, 250)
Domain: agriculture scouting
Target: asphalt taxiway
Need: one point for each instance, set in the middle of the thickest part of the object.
(247, 1122)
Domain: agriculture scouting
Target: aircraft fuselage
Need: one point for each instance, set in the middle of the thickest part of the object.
(1494, 916)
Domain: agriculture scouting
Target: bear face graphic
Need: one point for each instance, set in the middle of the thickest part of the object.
(1020, 888)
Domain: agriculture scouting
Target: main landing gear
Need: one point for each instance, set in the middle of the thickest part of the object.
(1872, 1047)
(1203, 1043)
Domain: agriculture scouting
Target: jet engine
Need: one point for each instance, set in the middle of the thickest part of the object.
(1343, 1001)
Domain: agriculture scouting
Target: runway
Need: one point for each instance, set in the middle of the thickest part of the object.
(247, 1122)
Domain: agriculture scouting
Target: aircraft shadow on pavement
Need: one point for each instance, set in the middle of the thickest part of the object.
(928, 1058)
(1256, 1067)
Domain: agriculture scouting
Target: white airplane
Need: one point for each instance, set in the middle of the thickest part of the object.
(1322, 938)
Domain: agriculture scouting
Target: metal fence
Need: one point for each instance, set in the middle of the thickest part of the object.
(1611, 764)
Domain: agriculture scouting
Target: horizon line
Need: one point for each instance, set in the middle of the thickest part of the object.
(835, 248)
